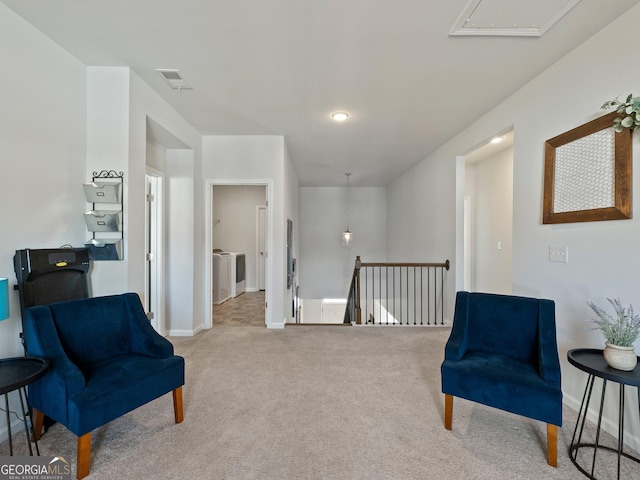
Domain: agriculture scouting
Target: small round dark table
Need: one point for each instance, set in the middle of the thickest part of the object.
(15, 374)
(591, 361)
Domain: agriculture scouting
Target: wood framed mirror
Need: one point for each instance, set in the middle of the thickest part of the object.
(587, 174)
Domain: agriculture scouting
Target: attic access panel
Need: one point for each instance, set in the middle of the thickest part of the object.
(514, 18)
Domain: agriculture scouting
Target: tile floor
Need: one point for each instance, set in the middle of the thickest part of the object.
(244, 310)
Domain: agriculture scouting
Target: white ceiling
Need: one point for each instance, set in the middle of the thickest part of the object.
(280, 67)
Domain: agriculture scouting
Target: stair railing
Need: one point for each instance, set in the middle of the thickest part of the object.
(397, 293)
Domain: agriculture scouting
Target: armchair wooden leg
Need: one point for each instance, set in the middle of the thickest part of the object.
(552, 445)
(448, 411)
(38, 420)
(84, 454)
(177, 405)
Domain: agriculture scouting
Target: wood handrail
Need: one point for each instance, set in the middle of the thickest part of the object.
(445, 265)
(354, 312)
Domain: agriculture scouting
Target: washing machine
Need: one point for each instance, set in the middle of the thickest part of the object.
(238, 273)
(221, 265)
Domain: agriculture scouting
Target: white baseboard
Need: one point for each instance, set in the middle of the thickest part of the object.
(181, 333)
(276, 326)
(17, 431)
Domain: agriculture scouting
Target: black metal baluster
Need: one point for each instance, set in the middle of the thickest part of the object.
(414, 295)
(442, 296)
(400, 300)
(386, 289)
(380, 291)
(435, 296)
(373, 295)
(366, 295)
(421, 297)
(429, 296)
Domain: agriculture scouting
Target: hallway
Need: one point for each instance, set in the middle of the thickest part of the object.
(244, 310)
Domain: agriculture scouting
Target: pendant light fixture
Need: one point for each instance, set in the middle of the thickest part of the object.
(347, 236)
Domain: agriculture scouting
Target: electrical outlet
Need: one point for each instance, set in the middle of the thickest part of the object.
(559, 254)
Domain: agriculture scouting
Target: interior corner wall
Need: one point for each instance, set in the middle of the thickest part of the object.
(183, 204)
(180, 227)
(603, 256)
(108, 149)
(292, 212)
(118, 106)
(421, 218)
(42, 153)
(325, 265)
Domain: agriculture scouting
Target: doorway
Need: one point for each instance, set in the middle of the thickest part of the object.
(262, 247)
(154, 252)
(237, 221)
(488, 217)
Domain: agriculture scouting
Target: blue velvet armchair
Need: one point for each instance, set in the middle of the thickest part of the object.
(105, 360)
(503, 353)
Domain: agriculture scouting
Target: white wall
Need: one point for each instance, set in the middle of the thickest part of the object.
(119, 105)
(235, 226)
(603, 256)
(183, 194)
(156, 156)
(108, 149)
(292, 212)
(325, 265)
(42, 158)
(42, 153)
(489, 183)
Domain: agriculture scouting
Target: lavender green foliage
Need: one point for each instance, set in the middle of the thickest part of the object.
(623, 329)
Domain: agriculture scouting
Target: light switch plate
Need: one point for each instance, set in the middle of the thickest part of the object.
(559, 254)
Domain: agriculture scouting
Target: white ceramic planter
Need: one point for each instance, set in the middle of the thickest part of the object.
(620, 358)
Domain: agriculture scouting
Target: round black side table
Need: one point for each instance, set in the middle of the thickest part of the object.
(15, 374)
(591, 361)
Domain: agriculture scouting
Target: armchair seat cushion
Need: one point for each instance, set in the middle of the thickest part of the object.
(503, 382)
(115, 386)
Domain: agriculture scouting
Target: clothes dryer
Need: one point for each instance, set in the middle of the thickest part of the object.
(238, 273)
(221, 266)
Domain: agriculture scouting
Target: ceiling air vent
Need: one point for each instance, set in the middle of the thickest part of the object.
(173, 78)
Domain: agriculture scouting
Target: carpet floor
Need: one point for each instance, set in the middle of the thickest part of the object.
(320, 403)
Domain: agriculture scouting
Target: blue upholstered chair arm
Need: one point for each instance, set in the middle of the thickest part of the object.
(458, 340)
(549, 363)
(144, 339)
(41, 340)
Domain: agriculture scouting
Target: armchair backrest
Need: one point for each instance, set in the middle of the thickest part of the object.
(503, 324)
(93, 329)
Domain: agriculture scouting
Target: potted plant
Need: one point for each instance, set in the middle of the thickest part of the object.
(620, 333)
(628, 113)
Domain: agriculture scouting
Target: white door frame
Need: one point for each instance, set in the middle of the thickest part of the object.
(157, 297)
(209, 183)
(261, 254)
(468, 242)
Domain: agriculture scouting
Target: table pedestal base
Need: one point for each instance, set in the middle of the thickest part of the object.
(577, 444)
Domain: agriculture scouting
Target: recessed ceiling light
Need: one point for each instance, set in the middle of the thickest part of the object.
(497, 139)
(339, 116)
